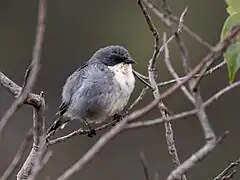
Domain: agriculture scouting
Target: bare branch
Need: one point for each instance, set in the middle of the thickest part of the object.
(151, 76)
(194, 159)
(142, 124)
(210, 137)
(171, 20)
(140, 75)
(153, 122)
(136, 74)
(8, 84)
(234, 32)
(139, 98)
(80, 131)
(31, 78)
(41, 162)
(229, 171)
(210, 71)
(174, 74)
(38, 143)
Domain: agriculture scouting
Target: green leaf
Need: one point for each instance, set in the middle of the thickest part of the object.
(233, 6)
(232, 55)
(230, 21)
(232, 58)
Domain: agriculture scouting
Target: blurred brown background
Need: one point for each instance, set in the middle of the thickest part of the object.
(74, 30)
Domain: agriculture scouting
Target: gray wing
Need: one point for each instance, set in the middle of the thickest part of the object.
(73, 83)
(94, 94)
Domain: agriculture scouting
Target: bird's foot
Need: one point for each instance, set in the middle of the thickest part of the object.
(91, 132)
(117, 118)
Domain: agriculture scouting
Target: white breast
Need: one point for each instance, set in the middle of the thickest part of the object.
(124, 77)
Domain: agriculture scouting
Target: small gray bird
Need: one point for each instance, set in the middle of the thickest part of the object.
(98, 90)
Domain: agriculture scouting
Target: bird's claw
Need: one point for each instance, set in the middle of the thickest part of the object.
(117, 118)
(91, 133)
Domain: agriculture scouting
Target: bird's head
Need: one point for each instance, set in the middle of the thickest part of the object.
(113, 55)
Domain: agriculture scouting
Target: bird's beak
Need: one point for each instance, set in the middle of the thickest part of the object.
(130, 61)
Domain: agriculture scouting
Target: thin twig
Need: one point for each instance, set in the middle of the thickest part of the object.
(12, 87)
(209, 63)
(151, 71)
(169, 132)
(80, 131)
(210, 137)
(38, 113)
(174, 74)
(35, 66)
(140, 75)
(195, 158)
(229, 171)
(208, 102)
(171, 20)
(181, 45)
(136, 74)
(145, 166)
(139, 98)
(210, 71)
(16, 160)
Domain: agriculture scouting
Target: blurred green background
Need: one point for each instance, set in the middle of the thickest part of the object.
(74, 30)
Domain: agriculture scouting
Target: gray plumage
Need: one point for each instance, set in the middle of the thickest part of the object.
(99, 89)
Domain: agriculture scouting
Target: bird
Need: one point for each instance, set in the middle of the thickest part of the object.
(98, 90)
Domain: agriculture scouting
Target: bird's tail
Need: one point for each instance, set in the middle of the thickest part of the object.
(59, 123)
